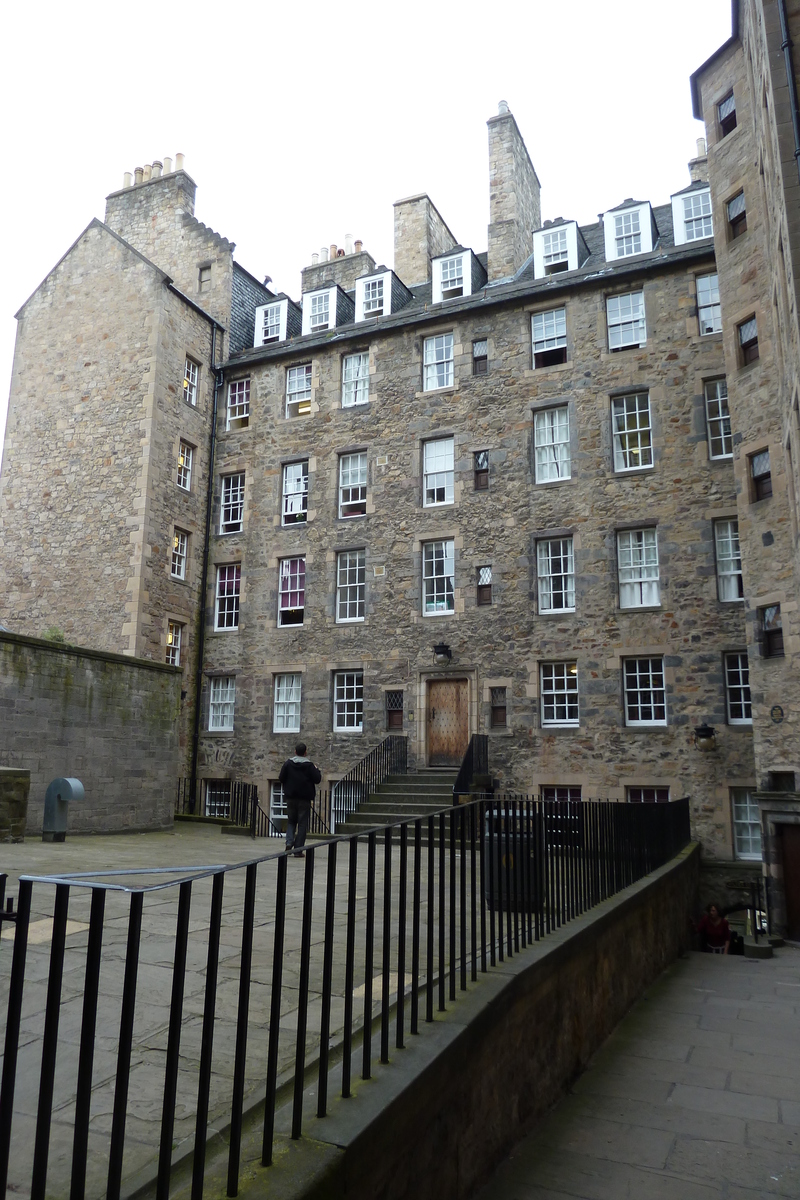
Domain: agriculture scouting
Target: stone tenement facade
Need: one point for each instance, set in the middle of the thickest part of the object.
(746, 94)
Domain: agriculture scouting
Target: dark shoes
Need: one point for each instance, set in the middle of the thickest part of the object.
(298, 854)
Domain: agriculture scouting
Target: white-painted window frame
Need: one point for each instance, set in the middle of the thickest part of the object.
(238, 412)
(180, 553)
(540, 254)
(709, 309)
(191, 376)
(746, 822)
(638, 568)
(555, 575)
(644, 690)
(551, 440)
(718, 419)
(558, 688)
(730, 585)
(221, 703)
(441, 265)
(286, 706)
(438, 472)
(294, 493)
(231, 512)
(737, 688)
(272, 316)
(353, 483)
(298, 390)
(311, 307)
(438, 577)
(348, 701)
(644, 216)
(227, 597)
(351, 574)
(363, 286)
(292, 587)
(355, 379)
(174, 640)
(438, 362)
(185, 461)
(632, 432)
(626, 321)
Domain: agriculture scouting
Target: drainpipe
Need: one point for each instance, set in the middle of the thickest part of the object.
(786, 47)
(201, 635)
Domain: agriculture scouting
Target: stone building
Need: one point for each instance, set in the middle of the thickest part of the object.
(746, 94)
(476, 492)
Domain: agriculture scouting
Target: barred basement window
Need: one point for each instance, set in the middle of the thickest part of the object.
(298, 391)
(729, 561)
(549, 332)
(232, 509)
(559, 691)
(185, 457)
(348, 701)
(286, 712)
(484, 585)
(221, 703)
(697, 216)
(355, 380)
(551, 445)
(438, 577)
(647, 795)
(737, 216)
(394, 710)
(746, 824)
(350, 585)
(480, 357)
(760, 475)
(190, 375)
(627, 233)
(353, 485)
(626, 321)
(645, 691)
(632, 432)
(709, 312)
(180, 553)
(555, 255)
(555, 567)
(438, 472)
(226, 614)
(718, 419)
(737, 689)
(438, 362)
(559, 793)
(726, 113)
(480, 469)
(498, 708)
(748, 341)
(771, 631)
(238, 404)
(174, 638)
(218, 797)
(637, 553)
(291, 591)
(294, 504)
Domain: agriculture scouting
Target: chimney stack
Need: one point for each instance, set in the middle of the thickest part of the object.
(698, 167)
(514, 206)
(420, 234)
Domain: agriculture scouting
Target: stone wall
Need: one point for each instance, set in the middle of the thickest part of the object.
(108, 720)
(14, 790)
(344, 271)
(420, 234)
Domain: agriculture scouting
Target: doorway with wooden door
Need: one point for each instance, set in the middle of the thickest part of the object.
(790, 861)
(447, 721)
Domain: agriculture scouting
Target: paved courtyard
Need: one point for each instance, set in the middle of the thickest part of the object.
(695, 1096)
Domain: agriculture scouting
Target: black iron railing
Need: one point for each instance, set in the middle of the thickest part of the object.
(350, 792)
(403, 927)
(263, 824)
(231, 800)
(475, 763)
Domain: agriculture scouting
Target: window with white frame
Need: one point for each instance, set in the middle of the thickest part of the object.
(238, 404)
(438, 362)
(174, 639)
(746, 824)
(438, 472)
(627, 233)
(709, 311)
(232, 509)
(718, 419)
(549, 331)
(452, 276)
(298, 390)
(180, 554)
(350, 585)
(626, 322)
(226, 613)
(555, 568)
(697, 216)
(551, 444)
(559, 691)
(637, 556)
(320, 311)
(190, 374)
(355, 380)
(645, 691)
(277, 802)
(555, 254)
(438, 577)
(292, 591)
(373, 298)
(294, 501)
(729, 560)
(353, 484)
(271, 323)
(185, 458)
(218, 798)
(647, 795)
(286, 710)
(348, 701)
(737, 688)
(222, 700)
(632, 432)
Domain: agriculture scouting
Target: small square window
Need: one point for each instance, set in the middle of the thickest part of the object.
(559, 690)
(726, 113)
(549, 332)
(632, 432)
(291, 591)
(626, 321)
(438, 362)
(480, 357)
(737, 216)
(394, 710)
(226, 613)
(191, 372)
(348, 701)
(748, 341)
(484, 585)
(498, 708)
(760, 475)
(238, 404)
(438, 472)
(709, 312)
(286, 711)
(737, 689)
(185, 460)
(180, 554)
(353, 485)
(647, 795)
(771, 631)
(298, 391)
(355, 380)
(480, 468)
(718, 420)
(294, 503)
(222, 700)
(232, 508)
(174, 640)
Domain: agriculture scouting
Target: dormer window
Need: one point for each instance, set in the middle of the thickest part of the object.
(374, 296)
(453, 275)
(555, 253)
(271, 324)
(628, 231)
(320, 312)
(691, 216)
(557, 249)
(452, 278)
(276, 321)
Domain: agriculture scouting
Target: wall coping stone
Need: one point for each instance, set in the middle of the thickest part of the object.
(107, 656)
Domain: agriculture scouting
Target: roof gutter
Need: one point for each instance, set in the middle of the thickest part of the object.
(786, 47)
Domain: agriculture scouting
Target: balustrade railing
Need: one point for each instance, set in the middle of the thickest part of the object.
(350, 792)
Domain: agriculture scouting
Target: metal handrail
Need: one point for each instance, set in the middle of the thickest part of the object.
(390, 757)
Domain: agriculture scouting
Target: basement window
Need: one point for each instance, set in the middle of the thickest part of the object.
(647, 795)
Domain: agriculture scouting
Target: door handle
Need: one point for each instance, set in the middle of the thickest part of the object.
(433, 714)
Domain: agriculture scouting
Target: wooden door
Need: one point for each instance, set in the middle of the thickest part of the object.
(790, 855)
(448, 721)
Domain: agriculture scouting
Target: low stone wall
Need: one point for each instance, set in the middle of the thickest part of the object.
(14, 788)
(107, 719)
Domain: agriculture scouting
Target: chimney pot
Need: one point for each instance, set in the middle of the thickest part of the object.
(314, 259)
(127, 179)
(138, 175)
(358, 246)
(333, 250)
(147, 172)
(179, 162)
(502, 108)
(348, 243)
(323, 254)
(157, 169)
(701, 147)
(167, 166)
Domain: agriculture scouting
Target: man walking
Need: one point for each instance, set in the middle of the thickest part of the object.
(298, 778)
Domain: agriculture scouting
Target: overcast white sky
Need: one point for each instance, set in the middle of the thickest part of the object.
(301, 122)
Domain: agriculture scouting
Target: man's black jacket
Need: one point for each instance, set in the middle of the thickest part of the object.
(299, 777)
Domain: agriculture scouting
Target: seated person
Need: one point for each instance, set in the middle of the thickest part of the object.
(714, 930)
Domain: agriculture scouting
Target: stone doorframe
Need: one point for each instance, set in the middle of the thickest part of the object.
(423, 679)
(776, 809)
